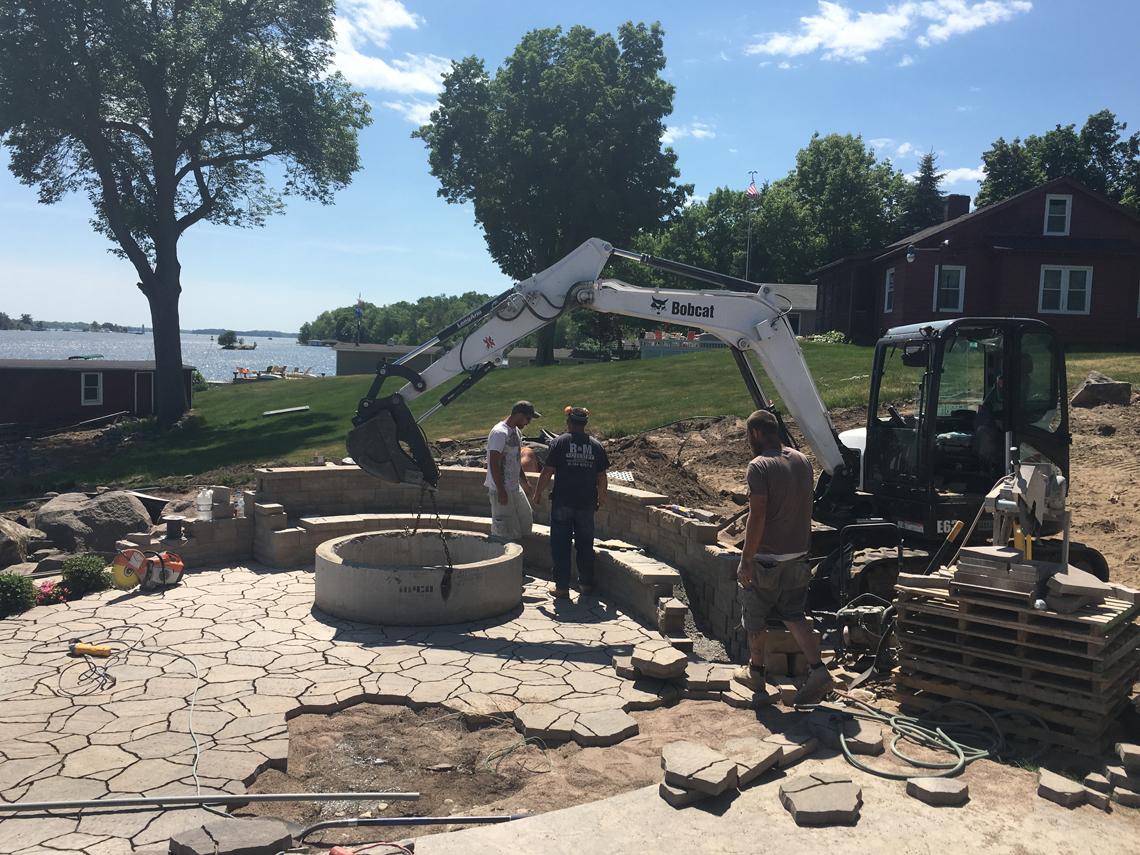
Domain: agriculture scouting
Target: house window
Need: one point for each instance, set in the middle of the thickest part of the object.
(950, 287)
(889, 299)
(92, 390)
(794, 321)
(1057, 211)
(1065, 290)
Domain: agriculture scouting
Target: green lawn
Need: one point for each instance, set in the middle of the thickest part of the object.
(228, 432)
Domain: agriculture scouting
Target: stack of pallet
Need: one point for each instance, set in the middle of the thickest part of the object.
(985, 639)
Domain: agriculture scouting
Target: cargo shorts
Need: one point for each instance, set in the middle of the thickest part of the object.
(777, 592)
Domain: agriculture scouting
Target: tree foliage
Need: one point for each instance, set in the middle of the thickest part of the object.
(167, 113)
(925, 204)
(228, 338)
(1099, 156)
(561, 145)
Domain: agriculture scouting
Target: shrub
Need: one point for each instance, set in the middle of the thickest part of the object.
(85, 574)
(50, 593)
(17, 594)
(198, 383)
(829, 337)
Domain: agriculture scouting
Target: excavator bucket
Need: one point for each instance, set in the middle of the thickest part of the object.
(390, 445)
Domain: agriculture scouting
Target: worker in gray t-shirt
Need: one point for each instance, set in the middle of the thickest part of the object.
(774, 572)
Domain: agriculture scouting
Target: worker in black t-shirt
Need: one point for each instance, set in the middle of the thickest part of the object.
(579, 463)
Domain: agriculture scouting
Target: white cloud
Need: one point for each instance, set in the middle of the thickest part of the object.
(893, 148)
(365, 25)
(373, 20)
(784, 64)
(964, 174)
(416, 112)
(840, 33)
(696, 130)
(906, 60)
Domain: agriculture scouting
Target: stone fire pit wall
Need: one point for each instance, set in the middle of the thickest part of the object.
(295, 509)
(394, 578)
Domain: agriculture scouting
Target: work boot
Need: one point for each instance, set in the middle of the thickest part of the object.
(818, 686)
(751, 677)
(559, 593)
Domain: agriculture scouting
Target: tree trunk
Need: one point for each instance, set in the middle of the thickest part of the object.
(169, 383)
(545, 352)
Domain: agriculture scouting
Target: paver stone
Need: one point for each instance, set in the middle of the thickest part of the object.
(822, 799)
(605, 727)
(695, 766)
(1064, 792)
(753, 757)
(938, 791)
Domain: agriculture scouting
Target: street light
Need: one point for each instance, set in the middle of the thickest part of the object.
(910, 253)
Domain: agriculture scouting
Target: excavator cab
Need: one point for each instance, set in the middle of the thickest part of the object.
(955, 406)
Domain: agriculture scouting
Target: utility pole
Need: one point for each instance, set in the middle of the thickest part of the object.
(752, 193)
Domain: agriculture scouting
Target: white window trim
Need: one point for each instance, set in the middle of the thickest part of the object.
(83, 388)
(938, 271)
(1068, 214)
(889, 292)
(1064, 289)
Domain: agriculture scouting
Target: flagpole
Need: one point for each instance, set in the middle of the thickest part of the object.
(748, 246)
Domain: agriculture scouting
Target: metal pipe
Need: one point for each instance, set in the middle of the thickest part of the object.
(213, 799)
(410, 820)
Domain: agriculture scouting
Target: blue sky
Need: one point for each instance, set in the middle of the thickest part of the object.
(754, 80)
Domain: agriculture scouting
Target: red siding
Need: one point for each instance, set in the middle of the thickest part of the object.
(48, 396)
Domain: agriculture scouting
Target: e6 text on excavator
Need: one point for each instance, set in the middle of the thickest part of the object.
(956, 406)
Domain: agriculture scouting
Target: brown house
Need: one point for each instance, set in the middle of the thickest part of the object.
(69, 391)
(1059, 252)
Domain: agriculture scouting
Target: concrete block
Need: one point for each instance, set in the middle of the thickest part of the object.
(1098, 782)
(277, 522)
(938, 791)
(681, 796)
(1129, 755)
(700, 532)
(1064, 792)
(776, 664)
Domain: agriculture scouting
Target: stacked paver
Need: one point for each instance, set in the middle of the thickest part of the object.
(985, 639)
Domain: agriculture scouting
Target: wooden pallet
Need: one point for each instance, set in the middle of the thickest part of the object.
(1101, 703)
(1091, 622)
(1082, 722)
(1062, 676)
(1023, 728)
(989, 644)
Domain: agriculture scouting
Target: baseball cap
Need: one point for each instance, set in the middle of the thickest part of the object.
(526, 408)
(578, 414)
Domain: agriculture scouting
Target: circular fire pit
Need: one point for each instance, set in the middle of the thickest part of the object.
(399, 579)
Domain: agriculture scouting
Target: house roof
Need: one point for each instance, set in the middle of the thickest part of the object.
(802, 297)
(382, 348)
(532, 352)
(989, 210)
(981, 213)
(84, 365)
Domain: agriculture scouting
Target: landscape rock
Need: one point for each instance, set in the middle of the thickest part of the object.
(753, 757)
(1122, 779)
(659, 659)
(1064, 792)
(862, 737)
(793, 746)
(1129, 755)
(13, 542)
(78, 524)
(604, 727)
(1076, 582)
(680, 796)
(938, 791)
(1098, 782)
(233, 837)
(694, 766)
(1098, 389)
(822, 798)
(1098, 799)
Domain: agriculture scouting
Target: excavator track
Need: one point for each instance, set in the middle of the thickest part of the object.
(875, 571)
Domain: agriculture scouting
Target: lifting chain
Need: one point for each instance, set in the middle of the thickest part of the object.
(445, 584)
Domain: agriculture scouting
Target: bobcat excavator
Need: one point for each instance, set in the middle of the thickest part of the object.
(955, 406)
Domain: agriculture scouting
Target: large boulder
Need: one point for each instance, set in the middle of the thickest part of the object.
(76, 523)
(13, 542)
(1098, 389)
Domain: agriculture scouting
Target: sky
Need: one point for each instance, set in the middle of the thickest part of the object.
(754, 80)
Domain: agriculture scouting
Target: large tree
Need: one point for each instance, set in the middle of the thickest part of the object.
(925, 205)
(169, 112)
(563, 144)
(1099, 156)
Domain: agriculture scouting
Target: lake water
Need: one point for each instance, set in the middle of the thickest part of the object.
(197, 350)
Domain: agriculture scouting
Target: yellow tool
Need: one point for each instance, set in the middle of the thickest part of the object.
(78, 649)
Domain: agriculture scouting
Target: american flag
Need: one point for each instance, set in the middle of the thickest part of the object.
(752, 192)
